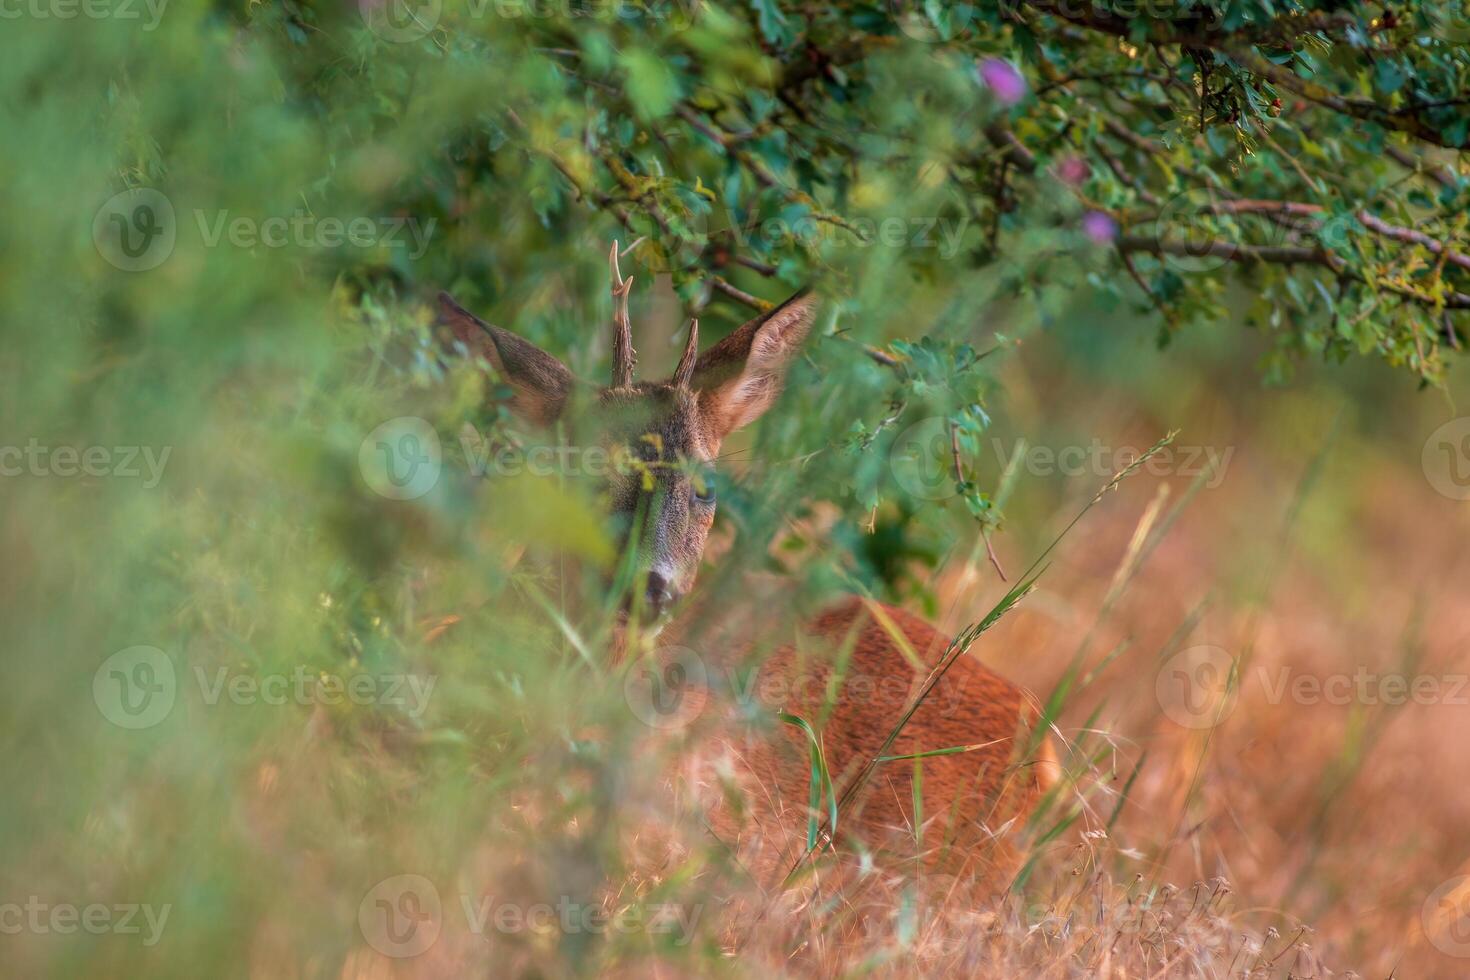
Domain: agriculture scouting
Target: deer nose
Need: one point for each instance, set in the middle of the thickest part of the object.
(660, 594)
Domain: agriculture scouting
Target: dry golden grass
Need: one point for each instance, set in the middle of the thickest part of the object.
(1299, 836)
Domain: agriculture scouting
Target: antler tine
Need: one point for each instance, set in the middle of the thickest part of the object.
(624, 357)
(684, 373)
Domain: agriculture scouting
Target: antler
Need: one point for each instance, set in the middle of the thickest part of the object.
(684, 373)
(624, 357)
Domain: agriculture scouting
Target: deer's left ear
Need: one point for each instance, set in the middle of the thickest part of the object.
(540, 381)
(740, 377)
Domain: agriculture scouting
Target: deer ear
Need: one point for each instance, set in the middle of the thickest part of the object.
(540, 381)
(740, 377)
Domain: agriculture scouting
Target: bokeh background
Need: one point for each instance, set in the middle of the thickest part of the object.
(225, 226)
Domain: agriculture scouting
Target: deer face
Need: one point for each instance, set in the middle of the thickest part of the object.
(661, 497)
(664, 436)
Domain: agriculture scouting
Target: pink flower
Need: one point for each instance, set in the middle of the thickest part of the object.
(1073, 171)
(1002, 78)
(1099, 227)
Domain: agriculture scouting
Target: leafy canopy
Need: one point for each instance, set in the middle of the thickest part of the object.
(1301, 159)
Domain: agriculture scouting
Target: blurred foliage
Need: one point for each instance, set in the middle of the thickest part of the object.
(953, 177)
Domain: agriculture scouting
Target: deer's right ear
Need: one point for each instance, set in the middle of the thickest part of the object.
(541, 382)
(740, 377)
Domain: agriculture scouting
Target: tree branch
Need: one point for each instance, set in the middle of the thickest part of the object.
(1202, 30)
(1440, 175)
(1370, 221)
(1280, 255)
(1403, 122)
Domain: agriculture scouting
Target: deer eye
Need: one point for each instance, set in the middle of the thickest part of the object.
(704, 487)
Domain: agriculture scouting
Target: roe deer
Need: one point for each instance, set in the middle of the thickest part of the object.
(664, 510)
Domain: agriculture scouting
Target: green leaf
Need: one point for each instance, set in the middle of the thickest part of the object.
(652, 86)
(1388, 76)
(774, 26)
(821, 782)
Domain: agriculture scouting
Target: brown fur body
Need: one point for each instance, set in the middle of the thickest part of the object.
(852, 682)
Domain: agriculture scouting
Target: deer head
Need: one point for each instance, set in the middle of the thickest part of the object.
(670, 432)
